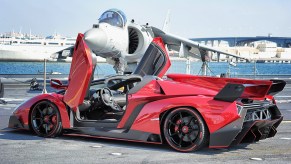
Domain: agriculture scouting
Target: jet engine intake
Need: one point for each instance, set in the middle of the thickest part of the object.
(139, 40)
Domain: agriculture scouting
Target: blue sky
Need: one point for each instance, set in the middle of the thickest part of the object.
(189, 18)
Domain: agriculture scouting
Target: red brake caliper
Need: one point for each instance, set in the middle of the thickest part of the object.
(177, 126)
(54, 121)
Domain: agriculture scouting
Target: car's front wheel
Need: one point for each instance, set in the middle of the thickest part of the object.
(45, 119)
(185, 130)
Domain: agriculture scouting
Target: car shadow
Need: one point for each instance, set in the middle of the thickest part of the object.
(150, 146)
(9, 134)
(12, 134)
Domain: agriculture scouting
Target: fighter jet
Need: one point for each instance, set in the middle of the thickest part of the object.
(124, 42)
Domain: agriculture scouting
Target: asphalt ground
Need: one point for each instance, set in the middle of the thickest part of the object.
(18, 146)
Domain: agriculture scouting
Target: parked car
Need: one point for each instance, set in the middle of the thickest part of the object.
(185, 111)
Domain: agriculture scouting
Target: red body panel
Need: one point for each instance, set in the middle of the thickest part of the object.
(177, 88)
(254, 88)
(23, 110)
(148, 93)
(215, 113)
(80, 74)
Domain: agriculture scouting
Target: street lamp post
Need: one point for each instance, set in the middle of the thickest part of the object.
(44, 78)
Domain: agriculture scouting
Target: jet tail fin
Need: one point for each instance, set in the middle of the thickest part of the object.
(166, 27)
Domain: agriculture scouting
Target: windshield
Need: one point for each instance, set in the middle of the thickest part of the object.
(113, 17)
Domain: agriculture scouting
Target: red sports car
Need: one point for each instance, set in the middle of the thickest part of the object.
(185, 111)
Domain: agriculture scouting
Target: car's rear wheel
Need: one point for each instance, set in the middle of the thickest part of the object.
(45, 119)
(185, 130)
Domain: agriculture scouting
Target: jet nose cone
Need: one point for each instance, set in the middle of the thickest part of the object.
(96, 39)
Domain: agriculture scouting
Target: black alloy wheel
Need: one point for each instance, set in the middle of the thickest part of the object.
(185, 130)
(45, 119)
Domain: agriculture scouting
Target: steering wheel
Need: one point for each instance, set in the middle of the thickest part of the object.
(106, 96)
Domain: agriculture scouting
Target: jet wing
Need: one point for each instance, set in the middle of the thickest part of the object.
(187, 47)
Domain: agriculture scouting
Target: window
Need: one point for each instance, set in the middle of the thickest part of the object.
(51, 43)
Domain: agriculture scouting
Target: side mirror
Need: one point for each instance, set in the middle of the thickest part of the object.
(57, 84)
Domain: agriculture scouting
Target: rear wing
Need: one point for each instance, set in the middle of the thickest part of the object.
(277, 86)
(230, 89)
(231, 92)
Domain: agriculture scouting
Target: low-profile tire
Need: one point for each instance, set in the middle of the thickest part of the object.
(185, 130)
(45, 119)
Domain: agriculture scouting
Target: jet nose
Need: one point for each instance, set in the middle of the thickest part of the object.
(96, 39)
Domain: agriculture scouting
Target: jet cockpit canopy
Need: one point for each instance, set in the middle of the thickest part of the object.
(113, 17)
